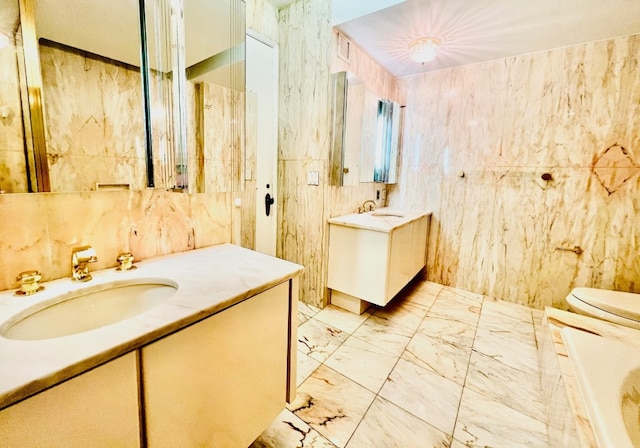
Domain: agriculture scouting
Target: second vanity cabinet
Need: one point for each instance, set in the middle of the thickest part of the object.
(372, 257)
(221, 381)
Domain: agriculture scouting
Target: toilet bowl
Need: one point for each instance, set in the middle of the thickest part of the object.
(622, 308)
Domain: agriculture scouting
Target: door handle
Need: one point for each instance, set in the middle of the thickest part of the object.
(268, 202)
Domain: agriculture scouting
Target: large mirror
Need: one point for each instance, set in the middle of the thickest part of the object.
(110, 83)
(366, 134)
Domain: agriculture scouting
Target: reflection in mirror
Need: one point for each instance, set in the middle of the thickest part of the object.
(389, 125)
(92, 93)
(214, 52)
(347, 130)
(381, 140)
(14, 176)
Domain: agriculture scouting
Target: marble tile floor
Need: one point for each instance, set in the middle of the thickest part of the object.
(436, 367)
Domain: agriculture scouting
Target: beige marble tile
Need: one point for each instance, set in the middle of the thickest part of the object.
(499, 310)
(342, 319)
(288, 430)
(319, 340)
(387, 425)
(429, 396)
(376, 331)
(262, 17)
(466, 312)
(331, 404)
(515, 388)
(446, 359)
(418, 294)
(211, 218)
(306, 365)
(307, 309)
(484, 422)
(362, 362)
(455, 332)
(519, 355)
(402, 314)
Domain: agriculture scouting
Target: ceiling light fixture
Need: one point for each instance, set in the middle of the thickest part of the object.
(424, 49)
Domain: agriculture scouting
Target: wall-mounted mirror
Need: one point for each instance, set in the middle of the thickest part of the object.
(102, 124)
(214, 41)
(347, 132)
(366, 134)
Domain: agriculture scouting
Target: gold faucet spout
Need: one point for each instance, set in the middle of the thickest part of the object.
(363, 208)
(80, 258)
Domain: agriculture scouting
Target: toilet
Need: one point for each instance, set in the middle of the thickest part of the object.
(619, 307)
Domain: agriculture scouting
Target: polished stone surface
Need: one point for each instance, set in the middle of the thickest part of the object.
(209, 280)
(415, 374)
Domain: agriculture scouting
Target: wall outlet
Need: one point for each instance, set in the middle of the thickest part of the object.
(313, 178)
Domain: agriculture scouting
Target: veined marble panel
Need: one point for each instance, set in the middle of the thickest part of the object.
(304, 118)
(93, 107)
(262, 18)
(321, 403)
(148, 223)
(484, 422)
(387, 425)
(477, 141)
(13, 168)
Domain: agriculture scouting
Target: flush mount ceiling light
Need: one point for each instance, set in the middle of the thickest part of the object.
(424, 49)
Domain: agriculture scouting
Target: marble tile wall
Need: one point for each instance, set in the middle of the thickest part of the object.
(94, 120)
(569, 112)
(306, 58)
(262, 18)
(13, 169)
(148, 223)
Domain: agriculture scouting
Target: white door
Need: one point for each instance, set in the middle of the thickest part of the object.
(262, 80)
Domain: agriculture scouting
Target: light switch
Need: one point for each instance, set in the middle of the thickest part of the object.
(313, 178)
(247, 174)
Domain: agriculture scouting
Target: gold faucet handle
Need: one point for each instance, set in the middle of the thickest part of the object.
(29, 283)
(126, 262)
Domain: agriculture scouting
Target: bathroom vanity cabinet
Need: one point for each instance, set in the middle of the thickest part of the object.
(98, 408)
(372, 256)
(219, 382)
(212, 367)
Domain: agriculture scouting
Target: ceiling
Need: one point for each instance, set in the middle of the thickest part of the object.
(476, 30)
(479, 30)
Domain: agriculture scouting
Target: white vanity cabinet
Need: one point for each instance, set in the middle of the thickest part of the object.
(372, 257)
(98, 408)
(221, 381)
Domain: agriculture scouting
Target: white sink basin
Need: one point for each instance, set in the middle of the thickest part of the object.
(388, 214)
(88, 308)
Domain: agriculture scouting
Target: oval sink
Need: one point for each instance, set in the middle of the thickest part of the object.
(89, 308)
(387, 214)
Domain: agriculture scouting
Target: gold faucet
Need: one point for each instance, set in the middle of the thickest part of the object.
(28, 281)
(363, 208)
(125, 260)
(80, 258)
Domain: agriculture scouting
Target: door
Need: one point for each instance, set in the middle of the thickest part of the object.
(262, 80)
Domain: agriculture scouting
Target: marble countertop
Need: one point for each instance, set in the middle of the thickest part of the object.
(380, 220)
(209, 280)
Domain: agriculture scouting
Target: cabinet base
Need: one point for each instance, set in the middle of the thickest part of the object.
(348, 302)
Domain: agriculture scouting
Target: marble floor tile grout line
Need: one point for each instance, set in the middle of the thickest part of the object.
(422, 339)
(466, 374)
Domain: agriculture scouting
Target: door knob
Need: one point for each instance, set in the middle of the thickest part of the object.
(268, 202)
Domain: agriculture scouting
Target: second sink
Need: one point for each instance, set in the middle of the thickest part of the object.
(88, 308)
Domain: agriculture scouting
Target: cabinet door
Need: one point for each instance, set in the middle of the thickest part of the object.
(96, 409)
(220, 382)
